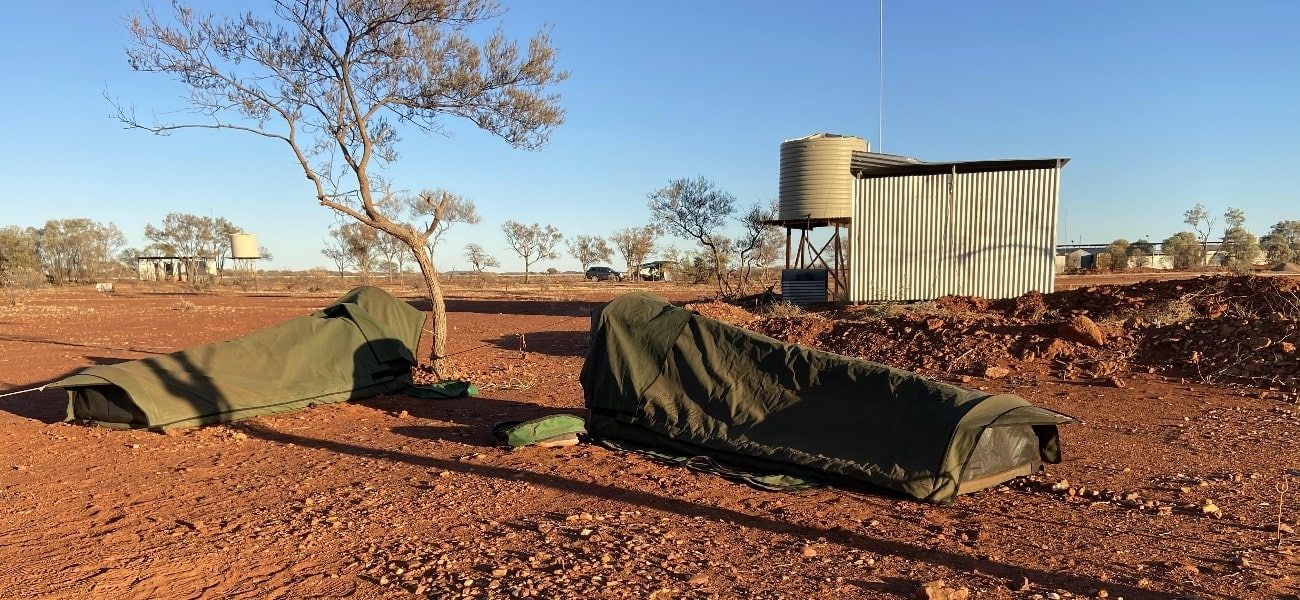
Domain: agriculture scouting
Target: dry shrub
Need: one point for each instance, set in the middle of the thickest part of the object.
(882, 310)
(318, 280)
(783, 309)
(200, 284)
(14, 282)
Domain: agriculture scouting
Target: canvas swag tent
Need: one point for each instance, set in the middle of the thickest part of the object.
(664, 379)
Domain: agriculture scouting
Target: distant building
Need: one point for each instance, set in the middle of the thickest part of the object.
(659, 270)
(1077, 258)
(1083, 256)
(172, 268)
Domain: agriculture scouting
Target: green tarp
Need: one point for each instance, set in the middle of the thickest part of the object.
(361, 345)
(663, 378)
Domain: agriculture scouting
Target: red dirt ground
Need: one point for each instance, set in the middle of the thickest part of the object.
(394, 497)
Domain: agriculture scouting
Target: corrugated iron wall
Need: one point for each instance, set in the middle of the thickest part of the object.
(917, 237)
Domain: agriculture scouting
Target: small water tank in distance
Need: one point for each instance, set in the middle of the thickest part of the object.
(815, 179)
(243, 246)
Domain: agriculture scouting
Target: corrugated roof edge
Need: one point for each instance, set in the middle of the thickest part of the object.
(823, 134)
(864, 170)
(880, 159)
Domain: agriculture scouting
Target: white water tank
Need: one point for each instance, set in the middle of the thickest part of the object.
(815, 179)
(243, 246)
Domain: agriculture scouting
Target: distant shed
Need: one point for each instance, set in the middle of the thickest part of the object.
(930, 229)
(172, 268)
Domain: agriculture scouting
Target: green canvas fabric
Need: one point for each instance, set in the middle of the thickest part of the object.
(525, 433)
(775, 482)
(361, 345)
(443, 390)
(662, 377)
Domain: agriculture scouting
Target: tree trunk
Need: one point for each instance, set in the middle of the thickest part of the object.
(526, 266)
(717, 271)
(438, 311)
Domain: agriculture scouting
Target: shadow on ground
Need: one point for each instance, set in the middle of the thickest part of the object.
(470, 420)
(48, 406)
(612, 492)
(552, 308)
(551, 343)
(34, 340)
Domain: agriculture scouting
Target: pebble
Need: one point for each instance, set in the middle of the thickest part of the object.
(809, 552)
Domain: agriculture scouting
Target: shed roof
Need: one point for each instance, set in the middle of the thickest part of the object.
(873, 164)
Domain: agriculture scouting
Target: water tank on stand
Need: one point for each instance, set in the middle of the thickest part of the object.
(816, 182)
(243, 246)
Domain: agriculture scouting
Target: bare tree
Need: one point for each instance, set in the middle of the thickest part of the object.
(362, 242)
(1234, 217)
(696, 209)
(334, 81)
(1118, 251)
(758, 244)
(634, 244)
(1184, 250)
(78, 250)
(20, 265)
(1203, 224)
(336, 249)
(589, 250)
(1282, 243)
(479, 258)
(439, 210)
(353, 246)
(531, 242)
(194, 238)
(393, 254)
(1240, 247)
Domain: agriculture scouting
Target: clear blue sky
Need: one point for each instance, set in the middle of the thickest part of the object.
(1159, 104)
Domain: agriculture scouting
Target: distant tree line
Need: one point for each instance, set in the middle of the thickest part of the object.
(82, 250)
(692, 209)
(1238, 251)
(61, 251)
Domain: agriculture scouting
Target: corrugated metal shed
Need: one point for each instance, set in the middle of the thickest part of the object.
(864, 168)
(862, 161)
(982, 228)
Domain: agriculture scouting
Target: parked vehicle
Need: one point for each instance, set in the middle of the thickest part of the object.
(603, 274)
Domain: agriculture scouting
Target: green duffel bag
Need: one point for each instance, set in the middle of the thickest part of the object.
(549, 431)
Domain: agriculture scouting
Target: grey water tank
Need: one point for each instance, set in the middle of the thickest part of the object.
(815, 179)
(804, 286)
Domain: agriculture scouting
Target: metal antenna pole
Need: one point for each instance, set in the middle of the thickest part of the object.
(880, 104)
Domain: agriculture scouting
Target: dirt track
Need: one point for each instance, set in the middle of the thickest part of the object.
(395, 495)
